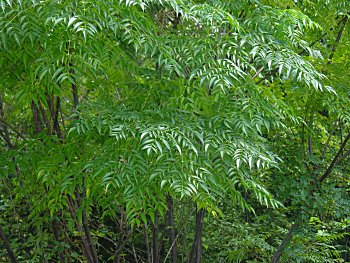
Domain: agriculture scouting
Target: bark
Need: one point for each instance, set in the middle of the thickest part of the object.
(72, 211)
(335, 159)
(196, 252)
(149, 257)
(6, 243)
(55, 228)
(4, 132)
(285, 241)
(74, 89)
(346, 246)
(327, 144)
(45, 119)
(36, 117)
(172, 236)
(176, 20)
(155, 241)
(123, 237)
(89, 242)
(340, 33)
(56, 124)
(54, 114)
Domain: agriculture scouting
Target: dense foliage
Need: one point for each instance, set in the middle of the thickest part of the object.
(174, 131)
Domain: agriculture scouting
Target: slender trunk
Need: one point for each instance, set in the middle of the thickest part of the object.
(342, 27)
(287, 238)
(74, 89)
(54, 114)
(309, 138)
(196, 252)
(88, 237)
(72, 211)
(123, 237)
(89, 242)
(346, 245)
(335, 159)
(6, 243)
(145, 234)
(155, 243)
(55, 228)
(67, 252)
(172, 237)
(36, 117)
(327, 144)
(45, 119)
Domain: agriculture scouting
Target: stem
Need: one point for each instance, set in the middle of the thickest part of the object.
(74, 89)
(89, 242)
(196, 251)
(122, 236)
(36, 117)
(147, 243)
(343, 22)
(172, 236)
(285, 241)
(155, 233)
(72, 211)
(6, 243)
(57, 237)
(335, 159)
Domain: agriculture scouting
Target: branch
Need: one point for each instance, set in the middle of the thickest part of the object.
(13, 129)
(286, 239)
(335, 159)
(343, 21)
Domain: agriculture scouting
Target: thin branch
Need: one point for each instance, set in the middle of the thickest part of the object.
(335, 159)
(12, 128)
(286, 239)
(327, 144)
(343, 22)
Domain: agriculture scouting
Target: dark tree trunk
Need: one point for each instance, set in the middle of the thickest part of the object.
(36, 117)
(72, 210)
(56, 233)
(145, 234)
(287, 238)
(6, 243)
(123, 236)
(172, 236)
(89, 242)
(155, 241)
(196, 252)
(45, 119)
(74, 89)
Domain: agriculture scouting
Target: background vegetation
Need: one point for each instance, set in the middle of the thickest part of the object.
(174, 131)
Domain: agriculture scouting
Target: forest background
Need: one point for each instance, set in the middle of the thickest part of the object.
(174, 131)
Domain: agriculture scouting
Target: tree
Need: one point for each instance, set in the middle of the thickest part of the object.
(115, 112)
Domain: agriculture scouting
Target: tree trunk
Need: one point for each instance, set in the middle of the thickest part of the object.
(36, 117)
(56, 233)
(89, 242)
(196, 252)
(155, 241)
(287, 238)
(72, 211)
(172, 237)
(6, 243)
(145, 234)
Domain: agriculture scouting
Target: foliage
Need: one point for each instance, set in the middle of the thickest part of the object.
(112, 110)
